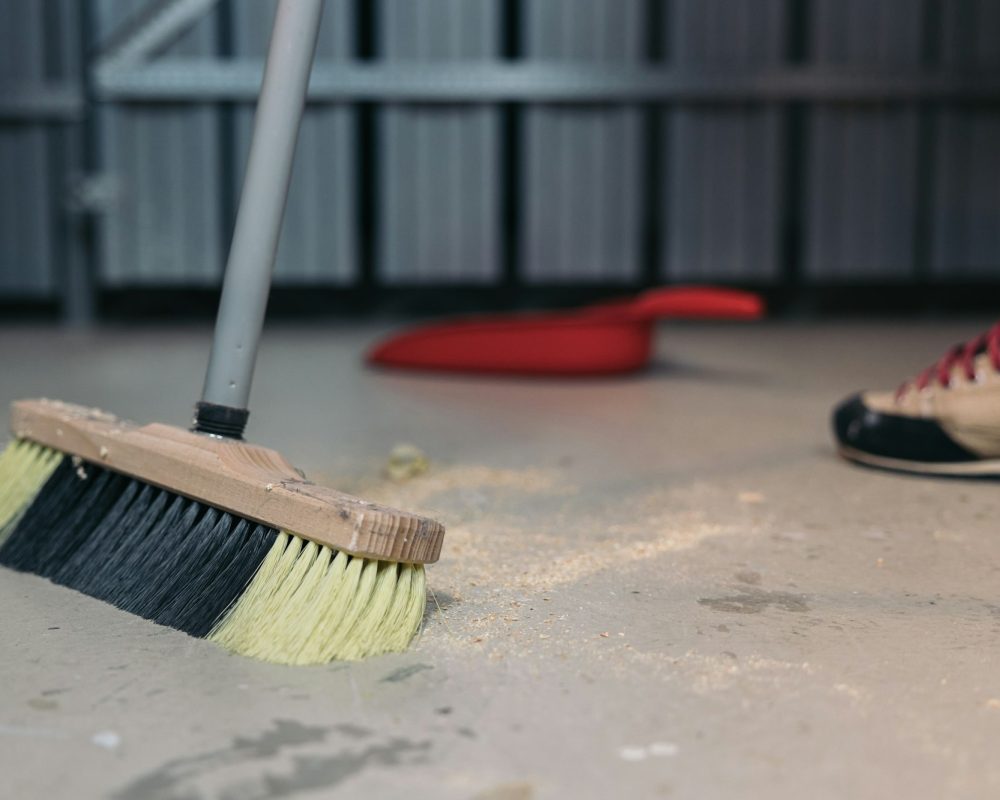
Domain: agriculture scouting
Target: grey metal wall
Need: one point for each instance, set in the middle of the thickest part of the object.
(965, 216)
(38, 47)
(631, 189)
(164, 225)
(723, 172)
(319, 241)
(582, 164)
(862, 197)
(439, 171)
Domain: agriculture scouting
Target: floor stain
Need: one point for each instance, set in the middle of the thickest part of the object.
(354, 731)
(43, 704)
(440, 601)
(748, 576)
(403, 673)
(177, 779)
(753, 602)
(168, 782)
(325, 772)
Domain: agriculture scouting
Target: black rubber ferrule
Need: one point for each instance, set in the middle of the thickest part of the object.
(217, 420)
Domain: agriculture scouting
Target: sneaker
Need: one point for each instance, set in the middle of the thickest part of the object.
(946, 421)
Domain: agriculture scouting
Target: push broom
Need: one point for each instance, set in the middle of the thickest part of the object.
(197, 529)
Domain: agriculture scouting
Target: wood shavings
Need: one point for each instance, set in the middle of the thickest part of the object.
(421, 490)
(654, 750)
(406, 461)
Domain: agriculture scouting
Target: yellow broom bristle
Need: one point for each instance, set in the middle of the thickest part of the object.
(24, 469)
(308, 604)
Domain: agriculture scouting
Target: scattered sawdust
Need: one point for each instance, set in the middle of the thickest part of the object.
(516, 535)
(491, 555)
(500, 581)
(846, 689)
(420, 491)
(994, 703)
(533, 535)
(507, 791)
(751, 498)
(711, 673)
(614, 553)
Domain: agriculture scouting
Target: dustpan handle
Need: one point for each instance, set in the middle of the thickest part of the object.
(695, 302)
(223, 407)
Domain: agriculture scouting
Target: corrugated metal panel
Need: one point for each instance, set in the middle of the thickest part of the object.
(582, 165)
(966, 210)
(862, 187)
(27, 254)
(318, 241)
(581, 174)
(722, 166)
(438, 167)
(165, 226)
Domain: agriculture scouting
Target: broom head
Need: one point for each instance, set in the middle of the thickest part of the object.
(215, 537)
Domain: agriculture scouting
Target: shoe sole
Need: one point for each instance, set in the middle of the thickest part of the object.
(987, 468)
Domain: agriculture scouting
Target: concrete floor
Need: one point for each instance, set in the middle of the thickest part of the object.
(660, 586)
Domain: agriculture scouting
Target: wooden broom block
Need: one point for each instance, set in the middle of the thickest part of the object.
(243, 479)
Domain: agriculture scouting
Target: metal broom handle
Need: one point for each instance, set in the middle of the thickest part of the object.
(247, 282)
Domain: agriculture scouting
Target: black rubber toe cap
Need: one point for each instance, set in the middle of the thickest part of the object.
(895, 436)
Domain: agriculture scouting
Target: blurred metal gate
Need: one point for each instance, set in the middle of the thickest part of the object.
(508, 142)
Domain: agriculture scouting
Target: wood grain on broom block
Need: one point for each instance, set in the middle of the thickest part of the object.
(247, 480)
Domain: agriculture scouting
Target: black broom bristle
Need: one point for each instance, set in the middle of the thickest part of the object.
(148, 551)
(72, 501)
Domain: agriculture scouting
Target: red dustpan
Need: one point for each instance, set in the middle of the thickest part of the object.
(607, 338)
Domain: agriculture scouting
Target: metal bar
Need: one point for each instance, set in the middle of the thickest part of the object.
(206, 80)
(53, 102)
(156, 26)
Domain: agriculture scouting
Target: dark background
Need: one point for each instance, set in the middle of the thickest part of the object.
(839, 155)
